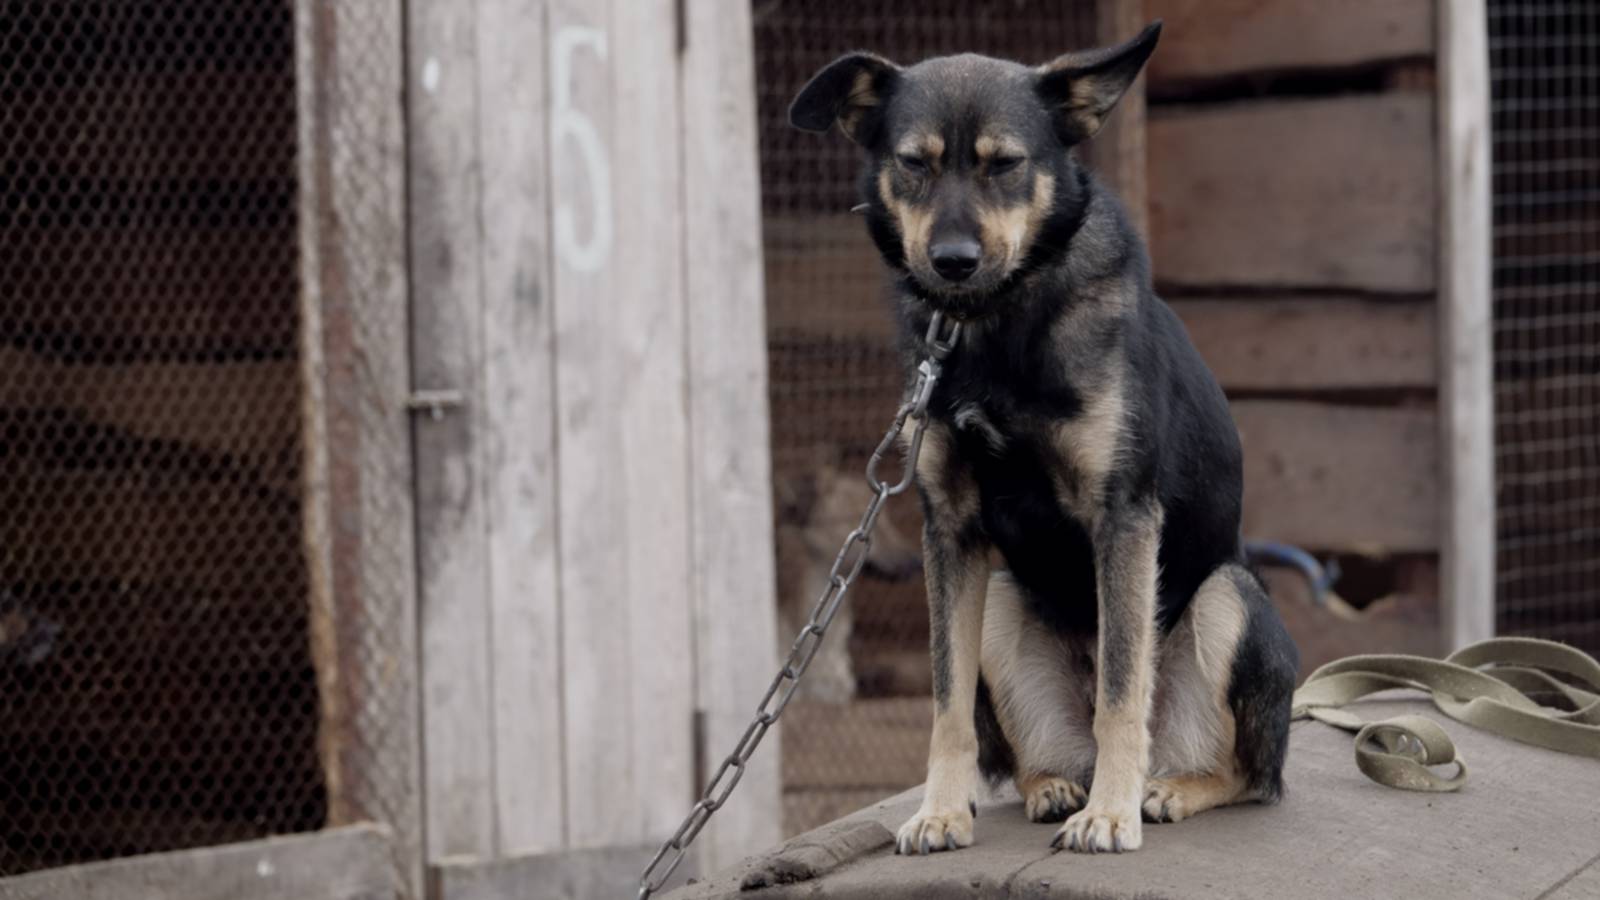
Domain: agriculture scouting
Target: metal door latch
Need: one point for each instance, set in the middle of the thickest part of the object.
(434, 403)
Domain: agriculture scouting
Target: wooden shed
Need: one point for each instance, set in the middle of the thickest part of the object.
(368, 462)
(419, 413)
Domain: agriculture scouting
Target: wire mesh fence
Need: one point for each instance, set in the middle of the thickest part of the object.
(156, 685)
(1545, 71)
(166, 680)
(355, 356)
(860, 732)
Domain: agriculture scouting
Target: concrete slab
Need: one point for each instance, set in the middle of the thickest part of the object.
(1526, 826)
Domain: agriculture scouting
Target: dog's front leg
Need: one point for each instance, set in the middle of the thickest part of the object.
(957, 565)
(1125, 544)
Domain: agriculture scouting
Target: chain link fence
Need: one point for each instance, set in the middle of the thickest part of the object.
(205, 630)
(355, 346)
(156, 684)
(1545, 71)
(858, 732)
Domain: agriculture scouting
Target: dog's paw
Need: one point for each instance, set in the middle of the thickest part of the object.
(930, 831)
(1164, 801)
(1053, 799)
(1101, 829)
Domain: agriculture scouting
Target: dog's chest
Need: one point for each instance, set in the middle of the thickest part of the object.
(1032, 461)
(1026, 478)
(1027, 502)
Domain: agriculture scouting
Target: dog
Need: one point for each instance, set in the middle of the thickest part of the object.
(1124, 663)
(815, 508)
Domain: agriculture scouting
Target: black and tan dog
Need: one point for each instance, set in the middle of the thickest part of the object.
(1125, 661)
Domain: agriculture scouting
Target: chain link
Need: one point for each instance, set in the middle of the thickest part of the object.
(939, 341)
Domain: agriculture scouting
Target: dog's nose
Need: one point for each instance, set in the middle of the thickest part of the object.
(956, 260)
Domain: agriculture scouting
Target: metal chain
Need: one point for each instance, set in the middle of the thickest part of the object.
(940, 339)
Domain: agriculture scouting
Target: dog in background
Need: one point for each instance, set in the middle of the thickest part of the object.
(814, 511)
(1124, 663)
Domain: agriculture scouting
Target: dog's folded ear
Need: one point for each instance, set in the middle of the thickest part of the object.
(1081, 88)
(853, 91)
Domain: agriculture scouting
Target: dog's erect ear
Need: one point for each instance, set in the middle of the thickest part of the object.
(852, 90)
(1081, 88)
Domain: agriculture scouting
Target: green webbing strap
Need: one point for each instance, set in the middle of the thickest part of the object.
(1503, 686)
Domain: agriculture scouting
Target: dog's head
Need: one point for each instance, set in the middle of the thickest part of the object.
(968, 166)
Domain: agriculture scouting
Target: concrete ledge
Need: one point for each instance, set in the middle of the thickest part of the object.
(351, 863)
(1526, 826)
(560, 875)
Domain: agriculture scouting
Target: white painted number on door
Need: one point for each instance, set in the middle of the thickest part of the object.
(571, 128)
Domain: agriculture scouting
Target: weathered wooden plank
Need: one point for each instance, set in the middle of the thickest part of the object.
(214, 292)
(567, 875)
(352, 863)
(1211, 38)
(518, 433)
(1251, 343)
(357, 463)
(228, 408)
(164, 146)
(620, 370)
(651, 325)
(448, 355)
(730, 475)
(75, 523)
(1331, 477)
(1466, 353)
(1308, 193)
(1309, 344)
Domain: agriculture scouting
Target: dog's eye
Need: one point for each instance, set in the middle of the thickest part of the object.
(913, 163)
(1003, 164)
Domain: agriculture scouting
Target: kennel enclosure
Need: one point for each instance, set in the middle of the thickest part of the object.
(309, 305)
(398, 399)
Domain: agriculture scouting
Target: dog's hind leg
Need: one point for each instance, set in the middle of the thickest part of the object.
(1041, 687)
(1225, 675)
(1261, 692)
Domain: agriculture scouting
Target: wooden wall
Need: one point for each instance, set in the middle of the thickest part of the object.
(594, 513)
(1292, 172)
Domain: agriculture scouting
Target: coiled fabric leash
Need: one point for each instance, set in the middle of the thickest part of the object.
(1503, 686)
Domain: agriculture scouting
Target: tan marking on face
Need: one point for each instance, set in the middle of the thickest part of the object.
(1088, 445)
(989, 146)
(926, 146)
(915, 222)
(1007, 232)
